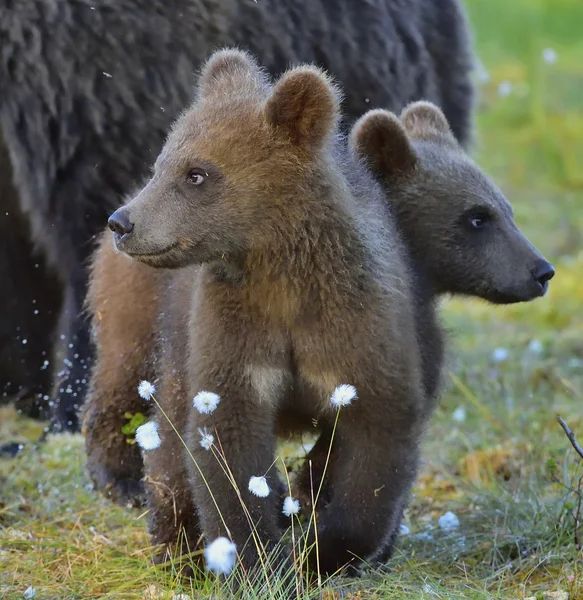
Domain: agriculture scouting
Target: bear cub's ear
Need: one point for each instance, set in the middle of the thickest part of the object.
(304, 106)
(425, 121)
(228, 68)
(382, 141)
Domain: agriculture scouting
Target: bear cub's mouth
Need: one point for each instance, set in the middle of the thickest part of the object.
(157, 253)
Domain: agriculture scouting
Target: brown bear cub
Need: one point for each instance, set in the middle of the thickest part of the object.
(457, 225)
(281, 283)
(458, 229)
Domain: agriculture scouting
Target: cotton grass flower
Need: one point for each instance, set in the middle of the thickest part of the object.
(146, 390)
(481, 72)
(505, 89)
(343, 395)
(291, 506)
(147, 436)
(258, 486)
(220, 556)
(29, 593)
(549, 56)
(448, 521)
(206, 402)
(500, 354)
(207, 438)
(535, 347)
(459, 414)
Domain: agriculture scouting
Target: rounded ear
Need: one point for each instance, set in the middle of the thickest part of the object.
(304, 106)
(425, 121)
(227, 68)
(382, 141)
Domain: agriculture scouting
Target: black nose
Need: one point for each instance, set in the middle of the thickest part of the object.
(543, 272)
(119, 222)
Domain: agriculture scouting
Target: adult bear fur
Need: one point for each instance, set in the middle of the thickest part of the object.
(30, 297)
(89, 90)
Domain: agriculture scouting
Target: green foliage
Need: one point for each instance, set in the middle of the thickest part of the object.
(134, 421)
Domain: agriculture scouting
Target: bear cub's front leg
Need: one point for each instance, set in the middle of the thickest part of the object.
(231, 426)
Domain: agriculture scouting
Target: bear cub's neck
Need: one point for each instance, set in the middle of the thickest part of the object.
(313, 258)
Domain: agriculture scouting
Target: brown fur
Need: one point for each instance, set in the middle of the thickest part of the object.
(123, 302)
(421, 120)
(434, 190)
(302, 283)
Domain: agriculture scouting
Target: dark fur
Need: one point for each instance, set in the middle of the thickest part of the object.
(303, 287)
(433, 190)
(90, 88)
(30, 297)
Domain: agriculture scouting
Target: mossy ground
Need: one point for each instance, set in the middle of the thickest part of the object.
(488, 449)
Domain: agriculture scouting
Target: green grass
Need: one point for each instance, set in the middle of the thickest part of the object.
(516, 534)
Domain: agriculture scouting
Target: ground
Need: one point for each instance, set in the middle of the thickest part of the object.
(494, 455)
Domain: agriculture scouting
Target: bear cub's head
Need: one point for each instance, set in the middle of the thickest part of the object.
(235, 166)
(457, 224)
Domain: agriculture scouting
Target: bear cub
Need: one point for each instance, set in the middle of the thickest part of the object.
(458, 229)
(283, 293)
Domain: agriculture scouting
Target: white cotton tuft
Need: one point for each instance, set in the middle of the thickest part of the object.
(207, 438)
(500, 354)
(146, 390)
(206, 402)
(482, 72)
(147, 436)
(220, 556)
(448, 521)
(535, 347)
(291, 506)
(343, 395)
(459, 414)
(549, 56)
(258, 486)
(504, 89)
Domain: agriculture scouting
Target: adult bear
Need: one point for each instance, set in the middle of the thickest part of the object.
(89, 89)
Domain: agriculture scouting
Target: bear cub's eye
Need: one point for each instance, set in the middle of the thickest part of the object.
(197, 176)
(478, 220)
